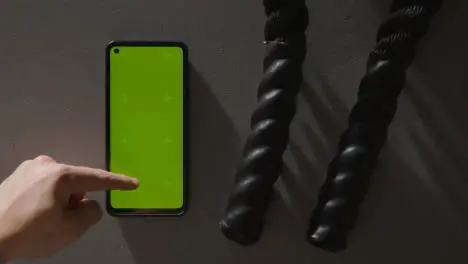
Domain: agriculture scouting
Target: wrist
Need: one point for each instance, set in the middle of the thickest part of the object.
(6, 243)
(4, 250)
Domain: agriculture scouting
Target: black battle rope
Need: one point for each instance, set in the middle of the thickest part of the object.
(359, 146)
(262, 155)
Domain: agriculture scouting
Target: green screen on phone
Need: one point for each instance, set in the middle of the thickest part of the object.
(146, 125)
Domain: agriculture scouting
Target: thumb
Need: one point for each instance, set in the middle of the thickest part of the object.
(84, 215)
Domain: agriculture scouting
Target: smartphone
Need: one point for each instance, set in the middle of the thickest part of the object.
(146, 126)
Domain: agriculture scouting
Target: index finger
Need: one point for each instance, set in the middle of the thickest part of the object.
(85, 179)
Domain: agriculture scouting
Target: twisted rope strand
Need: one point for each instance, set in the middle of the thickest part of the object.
(262, 155)
(359, 146)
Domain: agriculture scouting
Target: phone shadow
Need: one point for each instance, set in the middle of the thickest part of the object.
(214, 148)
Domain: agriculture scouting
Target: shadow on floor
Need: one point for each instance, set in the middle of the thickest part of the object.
(214, 150)
(401, 219)
(399, 216)
(438, 96)
(402, 215)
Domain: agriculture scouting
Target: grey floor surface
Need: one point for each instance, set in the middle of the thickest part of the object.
(52, 102)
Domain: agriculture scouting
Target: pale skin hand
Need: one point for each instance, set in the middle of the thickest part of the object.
(43, 206)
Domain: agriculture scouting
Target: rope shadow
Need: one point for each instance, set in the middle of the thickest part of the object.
(304, 175)
(439, 103)
(395, 192)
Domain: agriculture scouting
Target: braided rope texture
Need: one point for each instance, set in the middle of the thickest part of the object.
(262, 161)
(349, 171)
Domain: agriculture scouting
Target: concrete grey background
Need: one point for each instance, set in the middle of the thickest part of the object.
(52, 102)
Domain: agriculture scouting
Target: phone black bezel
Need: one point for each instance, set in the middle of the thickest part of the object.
(152, 211)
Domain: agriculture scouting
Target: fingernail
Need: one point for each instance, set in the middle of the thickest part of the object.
(135, 181)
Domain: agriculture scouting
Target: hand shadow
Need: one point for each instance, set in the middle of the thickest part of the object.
(214, 145)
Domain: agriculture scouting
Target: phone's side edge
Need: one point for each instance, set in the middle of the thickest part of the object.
(186, 128)
(109, 46)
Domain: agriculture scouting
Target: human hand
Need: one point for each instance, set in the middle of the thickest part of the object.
(43, 206)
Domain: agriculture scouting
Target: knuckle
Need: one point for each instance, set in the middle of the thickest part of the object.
(96, 212)
(25, 163)
(99, 212)
(63, 179)
(62, 171)
(44, 158)
(107, 177)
